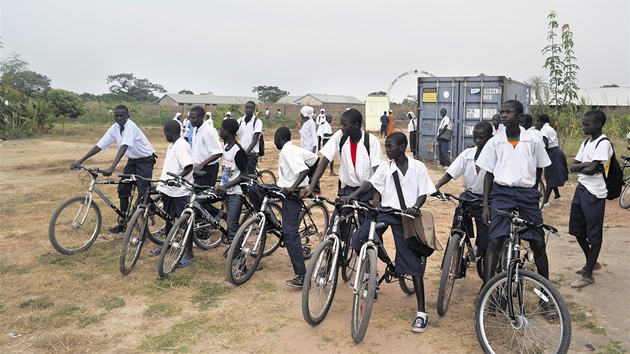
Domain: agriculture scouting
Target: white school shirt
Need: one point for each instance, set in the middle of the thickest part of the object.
(138, 146)
(514, 167)
(178, 156)
(320, 121)
(537, 133)
(326, 131)
(465, 165)
(349, 174)
(548, 132)
(292, 160)
(498, 130)
(411, 127)
(595, 184)
(229, 167)
(445, 122)
(414, 184)
(246, 132)
(205, 143)
(308, 135)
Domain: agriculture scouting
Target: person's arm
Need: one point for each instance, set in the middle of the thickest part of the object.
(93, 151)
(188, 169)
(587, 168)
(255, 139)
(546, 141)
(207, 161)
(321, 168)
(296, 184)
(413, 210)
(444, 180)
(539, 171)
(121, 152)
(487, 187)
(365, 187)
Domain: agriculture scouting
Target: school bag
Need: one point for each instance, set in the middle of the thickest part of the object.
(614, 176)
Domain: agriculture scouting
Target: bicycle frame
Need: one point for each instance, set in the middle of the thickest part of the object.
(93, 188)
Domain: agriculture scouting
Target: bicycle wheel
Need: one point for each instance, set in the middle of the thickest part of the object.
(363, 299)
(541, 189)
(133, 240)
(450, 271)
(246, 251)
(273, 236)
(74, 226)
(207, 236)
(529, 331)
(406, 284)
(175, 245)
(319, 289)
(156, 223)
(312, 227)
(266, 177)
(349, 254)
(624, 197)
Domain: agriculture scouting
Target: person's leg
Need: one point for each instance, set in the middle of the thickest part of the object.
(591, 244)
(234, 203)
(540, 257)
(252, 161)
(547, 194)
(291, 208)
(556, 192)
(491, 258)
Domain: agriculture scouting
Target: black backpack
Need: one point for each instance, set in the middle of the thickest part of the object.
(614, 177)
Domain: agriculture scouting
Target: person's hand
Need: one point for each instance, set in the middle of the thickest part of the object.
(485, 215)
(413, 211)
(75, 165)
(197, 168)
(376, 200)
(220, 190)
(287, 191)
(346, 199)
(108, 171)
(306, 192)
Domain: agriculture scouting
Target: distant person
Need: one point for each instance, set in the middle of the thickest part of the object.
(586, 219)
(188, 130)
(319, 121)
(208, 117)
(206, 148)
(496, 124)
(445, 132)
(228, 115)
(140, 154)
(527, 122)
(412, 130)
(176, 118)
(384, 121)
(278, 114)
(390, 122)
(557, 173)
(308, 135)
(249, 132)
(267, 113)
(326, 134)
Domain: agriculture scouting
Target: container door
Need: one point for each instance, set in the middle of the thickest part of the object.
(433, 95)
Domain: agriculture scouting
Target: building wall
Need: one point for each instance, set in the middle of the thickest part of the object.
(167, 101)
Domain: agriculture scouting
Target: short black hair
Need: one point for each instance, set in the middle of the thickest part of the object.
(122, 106)
(283, 133)
(230, 125)
(200, 111)
(518, 106)
(544, 118)
(484, 125)
(173, 126)
(600, 116)
(398, 137)
(354, 115)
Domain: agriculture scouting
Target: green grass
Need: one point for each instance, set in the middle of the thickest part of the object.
(163, 309)
(613, 348)
(111, 302)
(6, 269)
(580, 317)
(65, 311)
(175, 340)
(209, 293)
(37, 303)
(91, 319)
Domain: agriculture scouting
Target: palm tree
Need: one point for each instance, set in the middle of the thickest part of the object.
(540, 87)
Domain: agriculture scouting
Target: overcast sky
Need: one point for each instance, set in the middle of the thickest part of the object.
(327, 46)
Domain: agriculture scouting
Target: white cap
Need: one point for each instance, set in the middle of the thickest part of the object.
(308, 111)
(177, 114)
(322, 110)
(228, 113)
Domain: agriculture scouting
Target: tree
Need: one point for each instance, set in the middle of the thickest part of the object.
(411, 100)
(64, 104)
(611, 85)
(269, 94)
(186, 92)
(135, 89)
(540, 88)
(569, 80)
(378, 94)
(15, 74)
(553, 63)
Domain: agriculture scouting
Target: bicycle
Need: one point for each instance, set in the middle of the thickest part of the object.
(264, 176)
(460, 252)
(365, 278)
(245, 255)
(512, 308)
(322, 273)
(139, 226)
(76, 223)
(624, 197)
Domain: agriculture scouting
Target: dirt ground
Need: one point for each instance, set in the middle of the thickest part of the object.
(79, 304)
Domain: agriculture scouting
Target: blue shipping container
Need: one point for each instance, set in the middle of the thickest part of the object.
(467, 100)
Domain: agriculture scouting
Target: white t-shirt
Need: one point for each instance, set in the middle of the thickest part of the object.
(499, 129)
(292, 160)
(514, 166)
(308, 135)
(412, 126)
(445, 122)
(537, 133)
(246, 132)
(414, 184)
(465, 165)
(548, 132)
(351, 174)
(595, 184)
(178, 156)
(233, 163)
(326, 131)
(205, 143)
(138, 146)
(320, 121)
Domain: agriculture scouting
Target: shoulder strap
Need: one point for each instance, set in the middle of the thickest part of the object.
(366, 142)
(401, 199)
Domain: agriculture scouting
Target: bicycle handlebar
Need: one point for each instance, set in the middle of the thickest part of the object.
(445, 197)
(518, 221)
(378, 210)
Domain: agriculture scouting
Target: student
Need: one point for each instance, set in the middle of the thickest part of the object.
(132, 143)
(586, 220)
(308, 131)
(357, 164)
(557, 173)
(412, 130)
(496, 123)
(513, 160)
(473, 181)
(445, 131)
(390, 122)
(249, 132)
(319, 122)
(384, 120)
(206, 148)
(178, 160)
(233, 166)
(293, 167)
(416, 185)
(326, 135)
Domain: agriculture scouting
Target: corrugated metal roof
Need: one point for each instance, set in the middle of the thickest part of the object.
(209, 99)
(325, 98)
(605, 96)
(288, 99)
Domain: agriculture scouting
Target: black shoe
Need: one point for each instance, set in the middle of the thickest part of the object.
(296, 282)
(116, 229)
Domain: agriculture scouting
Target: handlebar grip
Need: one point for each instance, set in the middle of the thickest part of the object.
(505, 214)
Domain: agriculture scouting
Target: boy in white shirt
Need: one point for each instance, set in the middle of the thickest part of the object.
(586, 221)
(249, 132)
(293, 168)
(327, 133)
(416, 185)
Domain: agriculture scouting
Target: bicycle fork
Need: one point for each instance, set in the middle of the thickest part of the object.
(332, 264)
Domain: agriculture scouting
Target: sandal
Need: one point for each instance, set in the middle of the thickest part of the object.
(550, 312)
(185, 262)
(582, 282)
(155, 252)
(598, 266)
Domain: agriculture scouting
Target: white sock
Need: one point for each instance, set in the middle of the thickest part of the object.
(421, 314)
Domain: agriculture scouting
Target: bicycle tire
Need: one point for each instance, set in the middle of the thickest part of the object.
(624, 197)
(132, 241)
(207, 236)
(245, 251)
(317, 292)
(363, 299)
(273, 236)
(349, 254)
(541, 188)
(156, 224)
(175, 245)
(67, 234)
(406, 284)
(450, 271)
(530, 332)
(312, 227)
(266, 177)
